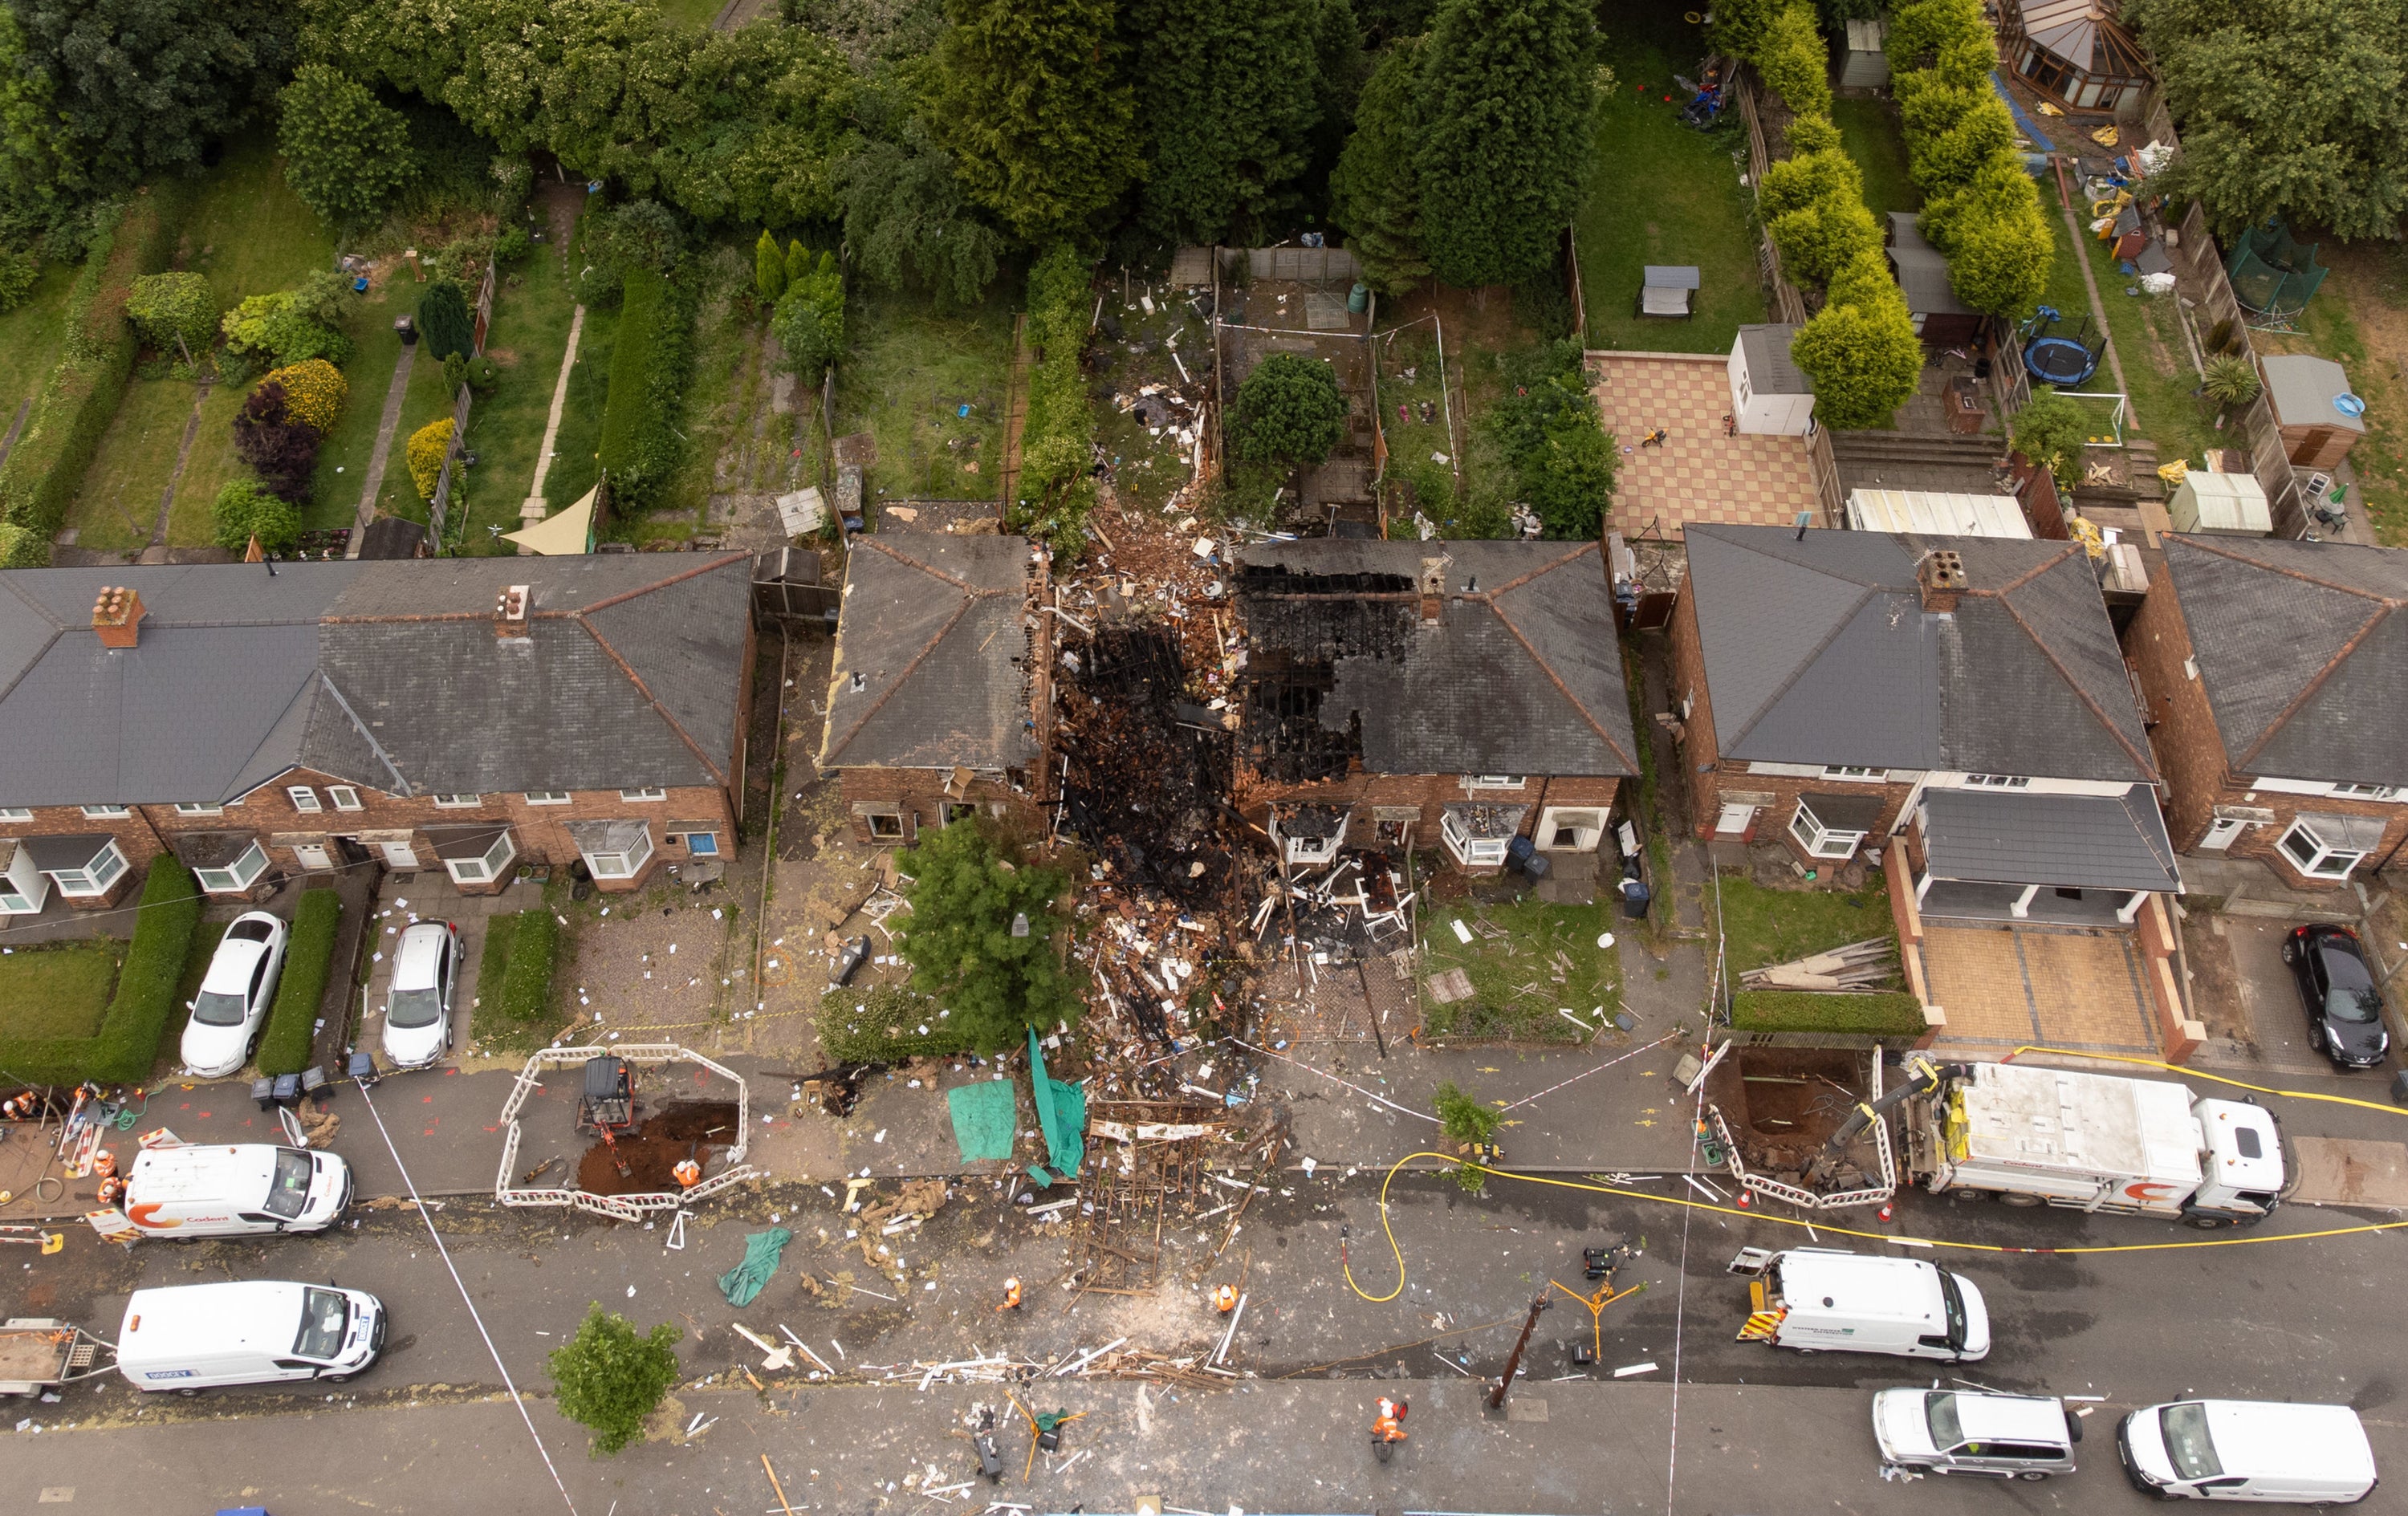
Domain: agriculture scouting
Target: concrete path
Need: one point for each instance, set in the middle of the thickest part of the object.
(394, 393)
(16, 429)
(559, 404)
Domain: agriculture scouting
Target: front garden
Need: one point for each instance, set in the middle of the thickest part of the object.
(1536, 970)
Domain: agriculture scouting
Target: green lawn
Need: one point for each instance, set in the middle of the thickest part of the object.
(2328, 329)
(118, 504)
(29, 341)
(528, 338)
(1542, 960)
(1870, 135)
(247, 231)
(1474, 383)
(1764, 926)
(2065, 288)
(909, 369)
(60, 990)
(1662, 193)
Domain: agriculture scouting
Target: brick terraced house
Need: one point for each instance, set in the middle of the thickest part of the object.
(2274, 673)
(939, 706)
(1399, 691)
(476, 715)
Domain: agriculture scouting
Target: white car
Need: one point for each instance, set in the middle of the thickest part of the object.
(2003, 1437)
(233, 1004)
(2248, 1450)
(425, 985)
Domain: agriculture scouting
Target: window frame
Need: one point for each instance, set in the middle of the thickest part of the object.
(2315, 866)
(1496, 782)
(631, 862)
(16, 813)
(304, 799)
(644, 797)
(871, 818)
(489, 870)
(2365, 791)
(710, 852)
(1998, 782)
(235, 879)
(1817, 846)
(458, 802)
(196, 808)
(545, 797)
(1855, 774)
(88, 882)
(107, 813)
(1313, 850)
(1467, 850)
(337, 793)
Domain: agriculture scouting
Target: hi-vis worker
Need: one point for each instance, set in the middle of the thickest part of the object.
(1011, 1295)
(104, 1164)
(1224, 1300)
(688, 1172)
(1390, 1426)
(112, 1189)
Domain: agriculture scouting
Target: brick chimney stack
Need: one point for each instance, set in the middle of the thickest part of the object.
(1941, 576)
(511, 611)
(1433, 589)
(117, 617)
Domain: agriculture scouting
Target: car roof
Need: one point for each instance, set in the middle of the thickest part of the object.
(231, 965)
(2266, 1436)
(413, 966)
(2010, 1418)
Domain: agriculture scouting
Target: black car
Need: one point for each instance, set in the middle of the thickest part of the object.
(2343, 1004)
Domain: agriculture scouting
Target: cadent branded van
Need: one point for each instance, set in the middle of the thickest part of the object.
(195, 1336)
(1821, 1300)
(2247, 1449)
(214, 1190)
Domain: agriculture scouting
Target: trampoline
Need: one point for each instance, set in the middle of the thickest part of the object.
(2062, 360)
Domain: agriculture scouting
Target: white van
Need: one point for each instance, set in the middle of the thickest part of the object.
(2247, 1449)
(195, 1337)
(1821, 1300)
(211, 1190)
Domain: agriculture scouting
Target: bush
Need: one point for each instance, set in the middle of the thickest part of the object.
(345, 151)
(127, 1044)
(1057, 446)
(1462, 1118)
(20, 548)
(18, 270)
(609, 1380)
(1806, 179)
(283, 451)
(1548, 427)
(1791, 59)
(2000, 267)
(1817, 241)
(292, 326)
(1940, 161)
(2052, 431)
(651, 366)
(881, 1025)
(1888, 1013)
(1921, 31)
(243, 511)
(309, 956)
(809, 319)
(514, 243)
(526, 978)
(1812, 133)
(1984, 213)
(444, 324)
(174, 312)
(2230, 379)
(768, 269)
(1860, 350)
(428, 447)
(1289, 412)
(314, 392)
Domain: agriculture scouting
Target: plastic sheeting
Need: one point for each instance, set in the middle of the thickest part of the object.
(744, 1283)
(1062, 1111)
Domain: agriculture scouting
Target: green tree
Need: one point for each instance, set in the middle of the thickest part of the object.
(609, 1380)
(1942, 160)
(1376, 190)
(1860, 350)
(1923, 32)
(345, 153)
(972, 892)
(1554, 441)
(1818, 240)
(800, 263)
(1289, 412)
(2298, 109)
(1802, 178)
(175, 313)
(1228, 97)
(19, 271)
(907, 221)
(444, 324)
(1995, 237)
(1791, 58)
(243, 511)
(809, 321)
(1031, 100)
(1739, 25)
(1508, 107)
(2052, 431)
(768, 269)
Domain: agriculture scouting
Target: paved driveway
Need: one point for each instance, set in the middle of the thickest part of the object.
(2059, 987)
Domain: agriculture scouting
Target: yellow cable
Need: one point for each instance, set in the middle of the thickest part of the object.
(1816, 1227)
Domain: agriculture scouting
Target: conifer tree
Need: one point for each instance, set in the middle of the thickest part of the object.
(1229, 99)
(1031, 100)
(1509, 93)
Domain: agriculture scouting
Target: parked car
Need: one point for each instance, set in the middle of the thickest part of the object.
(232, 1006)
(2248, 1450)
(2344, 1005)
(425, 986)
(2004, 1437)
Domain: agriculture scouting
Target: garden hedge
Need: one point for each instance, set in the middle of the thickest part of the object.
(46, 468)
(309, 955)
(652, 363)
(526, 993)
(1058, 441)
(1980, 210)
(1889, 1013)
(885, 1025)
(127, 1044)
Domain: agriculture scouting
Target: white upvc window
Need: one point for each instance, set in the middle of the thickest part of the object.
(1854, 773)
(545, 797)
(1311, 850)
(236, 877)
(93, 877)
(15, 813)
(484, 869)
(2314, 855)
(641, 797)
(624, 864)
(1469, 851)
(884, 825)
(2368, 792)
(1998, 782)
(344, 796)
(304, 799)
(198, 809)
(1821, 841)
(1494, 781)
(458, 802)
(101, 813)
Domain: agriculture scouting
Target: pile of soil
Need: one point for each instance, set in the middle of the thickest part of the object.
(652, 1152)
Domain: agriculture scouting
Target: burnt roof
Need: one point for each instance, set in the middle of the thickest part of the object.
(1818, 650)
(1520, 674)
(2303, 652)
(930, 655)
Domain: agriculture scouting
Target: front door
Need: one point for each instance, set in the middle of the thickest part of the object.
(399, 855)
(2220, 833)
(1734, 819)
(313, 855)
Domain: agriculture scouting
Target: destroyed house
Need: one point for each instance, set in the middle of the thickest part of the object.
(1399, 693)
(937, 699)
(1959, 701)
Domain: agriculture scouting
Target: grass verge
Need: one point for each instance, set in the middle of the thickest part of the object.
(1529, 961)
(885, 1023)
(1889, 1013)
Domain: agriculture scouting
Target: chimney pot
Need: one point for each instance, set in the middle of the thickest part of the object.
(1432, 581)
(117, 617)
(1940, 577)
(511, 611)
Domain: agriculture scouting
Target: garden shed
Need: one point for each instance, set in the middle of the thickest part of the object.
(2074, 52)
(1770, 397)
(2318, 415)
(1669, 289)
(1940, 319)
(1866, 64)
(2231, 504)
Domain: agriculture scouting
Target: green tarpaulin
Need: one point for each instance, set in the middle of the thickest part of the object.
(1062, 1111)
(983, 1117)
(744, 1283)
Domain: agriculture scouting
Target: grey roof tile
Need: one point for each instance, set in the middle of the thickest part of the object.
(2061, 841)
(934, 628)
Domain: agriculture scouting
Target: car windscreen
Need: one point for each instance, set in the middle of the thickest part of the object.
(2353, 1002)
(1940, 1409)
(215, 1007)
(1954, 1300)
(325, 1315)
(288, 1188)
(413, 1007)
(2187, 1441)
(248, 931)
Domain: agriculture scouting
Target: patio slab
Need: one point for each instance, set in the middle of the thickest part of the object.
(2060, 987)
(1697, 474)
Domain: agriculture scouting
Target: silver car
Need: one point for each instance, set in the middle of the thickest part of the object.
(2006, 1436)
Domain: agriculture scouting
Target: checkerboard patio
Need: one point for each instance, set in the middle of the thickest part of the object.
(1697, 474)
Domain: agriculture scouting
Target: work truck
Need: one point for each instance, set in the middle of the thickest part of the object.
(2031, 1134)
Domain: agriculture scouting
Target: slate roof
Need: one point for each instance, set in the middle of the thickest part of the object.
(1522, 673)
(1769, 365)
(2064, 841)
(1921, 273)
(386, 674)
(2303, 648)
(1817, 650)
(933, 628)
